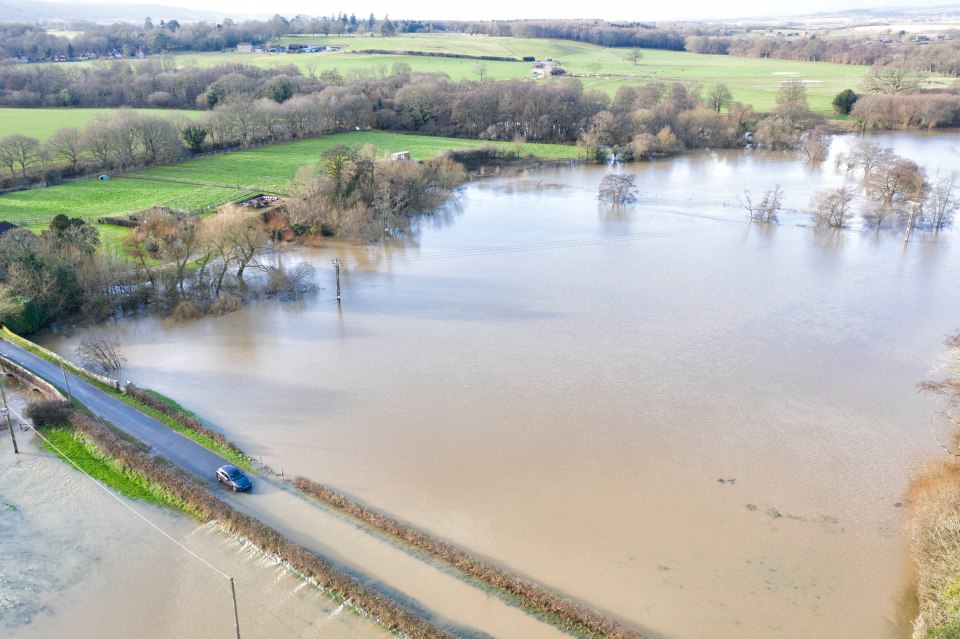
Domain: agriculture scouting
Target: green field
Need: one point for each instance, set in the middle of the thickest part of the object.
(41, 123)
(271, 168)
(92, 198)
(218, 178)
(752, 80)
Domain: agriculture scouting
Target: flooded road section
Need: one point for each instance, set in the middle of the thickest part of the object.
(699, 426)
(76, 563)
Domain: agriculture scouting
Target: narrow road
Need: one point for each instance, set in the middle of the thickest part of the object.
(462, 606)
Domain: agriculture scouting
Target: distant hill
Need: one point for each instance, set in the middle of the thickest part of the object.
(33, 12)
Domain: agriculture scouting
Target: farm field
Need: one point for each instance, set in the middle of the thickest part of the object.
(219, 178)
(752, 80)
(92, 198)
(41, 123)
(270, 168)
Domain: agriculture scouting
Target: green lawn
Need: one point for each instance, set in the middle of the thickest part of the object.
(41, 123)
(271, 168)
(752, 80)
(92, 198)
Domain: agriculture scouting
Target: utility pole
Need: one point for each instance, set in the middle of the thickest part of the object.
(913, 212)
(336, 264)
(66, 381)
(236, 617)
(6, 412)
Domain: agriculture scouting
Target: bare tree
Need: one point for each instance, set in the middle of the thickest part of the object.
(892, 79)
(792, 98)
(767, 209)
(480, 69)
(815, 145)
(832, 207)
(100, 354)
(618, 188)
(66, 144)
(719, 97)
(594, 67)
(19, 150)
(894, 178)
(867, 156)
(634, 55)
(943, 201)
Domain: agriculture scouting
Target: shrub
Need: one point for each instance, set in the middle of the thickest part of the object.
(843, 101)
(48, 412)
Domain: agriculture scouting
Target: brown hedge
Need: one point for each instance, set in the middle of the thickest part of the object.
(572, 615)
(209, 507)
(185, 419)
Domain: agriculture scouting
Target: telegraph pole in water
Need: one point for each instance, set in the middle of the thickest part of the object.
(336, 264)
(913, 212)
(6, 412)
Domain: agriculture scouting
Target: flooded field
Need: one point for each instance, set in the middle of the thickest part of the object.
(700, 426)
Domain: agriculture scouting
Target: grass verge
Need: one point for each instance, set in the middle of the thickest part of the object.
(73, 448)
(552, 608)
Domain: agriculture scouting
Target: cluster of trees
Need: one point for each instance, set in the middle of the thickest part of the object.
(35, 43)
(353, 195)
(894, 190)
(60, 273)
(125, 140)
(923, 110)
(658, 120)
(180, 264)
(156, 82)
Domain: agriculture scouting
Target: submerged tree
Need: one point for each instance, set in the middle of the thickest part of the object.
(767, 209)
(101, 354)
(618, 188)
(832, 207)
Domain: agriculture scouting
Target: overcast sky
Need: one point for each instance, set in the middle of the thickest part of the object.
(505, 9)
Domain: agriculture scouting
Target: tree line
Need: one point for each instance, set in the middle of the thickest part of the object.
(245, 105)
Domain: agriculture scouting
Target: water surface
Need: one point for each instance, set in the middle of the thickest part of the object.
(699, 426)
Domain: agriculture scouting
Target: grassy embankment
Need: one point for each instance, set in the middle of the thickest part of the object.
(752, 80)
(41, 123)
(73, 448)
(201, 182)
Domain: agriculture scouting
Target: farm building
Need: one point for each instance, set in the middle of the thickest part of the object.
(244, 47)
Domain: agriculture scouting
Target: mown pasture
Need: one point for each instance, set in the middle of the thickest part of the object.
(41, 123)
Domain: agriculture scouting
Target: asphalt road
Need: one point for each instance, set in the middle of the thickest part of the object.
(180, 450)
(460, 605)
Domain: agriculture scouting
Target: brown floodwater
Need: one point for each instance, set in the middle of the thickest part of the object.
(699, 426)
(74, 562)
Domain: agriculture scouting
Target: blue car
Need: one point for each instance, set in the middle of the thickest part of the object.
(233, 477)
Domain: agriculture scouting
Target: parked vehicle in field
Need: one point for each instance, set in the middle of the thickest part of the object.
(233, 477)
